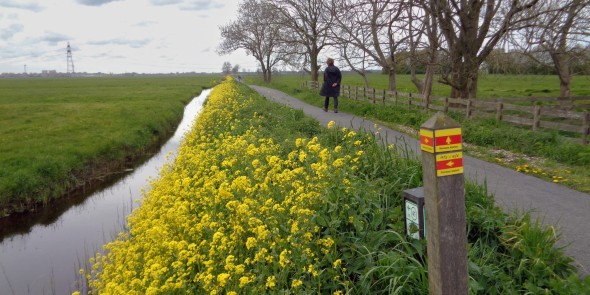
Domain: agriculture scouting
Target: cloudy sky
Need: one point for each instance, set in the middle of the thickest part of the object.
(116, 36)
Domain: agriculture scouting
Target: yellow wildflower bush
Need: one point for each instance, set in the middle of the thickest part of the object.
(233, 213)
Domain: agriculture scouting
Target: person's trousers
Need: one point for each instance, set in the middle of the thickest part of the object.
(327, 102)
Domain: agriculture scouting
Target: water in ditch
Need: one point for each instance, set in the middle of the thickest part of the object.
(42, 252)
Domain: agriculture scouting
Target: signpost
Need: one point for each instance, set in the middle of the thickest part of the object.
(414, 213)
(444, 198)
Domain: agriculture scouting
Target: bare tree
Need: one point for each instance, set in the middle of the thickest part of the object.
(471, 30)
(560, 30)
(235, 69)
(256, 32)
(355, 56)
(226, 67)
(423, 38)
(307, 26)
(375, 27)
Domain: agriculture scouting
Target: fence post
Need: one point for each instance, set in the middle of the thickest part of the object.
(586, 126)
(446, 110)
(395, 98)
(384, 93)
(374, 96)
(468, 109)
(442, 167)
(356, 92)
(536, 117)
(409, 100)
(499, 108)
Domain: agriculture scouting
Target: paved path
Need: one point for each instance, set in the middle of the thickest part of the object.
(566, 209)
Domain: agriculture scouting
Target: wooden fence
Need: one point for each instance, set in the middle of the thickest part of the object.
(571, 114)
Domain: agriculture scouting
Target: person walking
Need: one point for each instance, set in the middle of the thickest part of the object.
(331, 85)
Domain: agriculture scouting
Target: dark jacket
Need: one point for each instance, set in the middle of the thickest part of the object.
(331, 75)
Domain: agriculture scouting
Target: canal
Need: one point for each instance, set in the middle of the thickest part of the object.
(42, 252)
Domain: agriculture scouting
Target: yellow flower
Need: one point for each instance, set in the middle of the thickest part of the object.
(222, 279)
(251, 243)
(284, 258)
(331, 124)
(296, 283)
(337, 263)
(245, 281)
(271, 282)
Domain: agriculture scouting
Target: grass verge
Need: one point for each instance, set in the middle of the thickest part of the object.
(263, 200)
(58, 134)
(544, 154)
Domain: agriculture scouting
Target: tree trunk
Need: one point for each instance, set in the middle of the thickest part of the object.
(392, 80)
(563, 71)
(417, 82)
(428, 80)
(464, 79)
(314, 65)
(365, 80)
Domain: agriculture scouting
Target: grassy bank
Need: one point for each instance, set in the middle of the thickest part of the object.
(57, 134)
(263, 200)
(544, 154)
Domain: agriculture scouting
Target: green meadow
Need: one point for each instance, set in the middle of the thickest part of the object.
(546, 154)
(58, 133)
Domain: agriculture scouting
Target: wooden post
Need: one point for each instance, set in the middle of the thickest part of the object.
(409, 100)
(536, 117)
(384, 93)
(586, 126)
(468, 109)
(499, 108)
(395, 97)
(356, 93)
(442, 166)
(374, 96)
(446, 110)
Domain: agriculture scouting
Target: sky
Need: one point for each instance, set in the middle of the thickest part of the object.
(116, 36)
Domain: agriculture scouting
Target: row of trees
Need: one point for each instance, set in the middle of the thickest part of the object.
(449, 38)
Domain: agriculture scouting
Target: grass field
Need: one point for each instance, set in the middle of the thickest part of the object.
(545, 154)
(55, 134)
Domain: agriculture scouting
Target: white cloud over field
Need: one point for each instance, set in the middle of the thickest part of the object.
(116, 36)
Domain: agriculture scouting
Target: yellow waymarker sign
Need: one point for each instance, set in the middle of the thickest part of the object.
(447, 140)
(449, 164)
(427, 140)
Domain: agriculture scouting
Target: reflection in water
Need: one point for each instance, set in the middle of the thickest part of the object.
(41, 253)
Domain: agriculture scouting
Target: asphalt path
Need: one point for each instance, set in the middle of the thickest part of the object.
(555, 205)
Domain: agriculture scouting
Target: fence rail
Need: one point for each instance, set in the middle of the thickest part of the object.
(571, 114)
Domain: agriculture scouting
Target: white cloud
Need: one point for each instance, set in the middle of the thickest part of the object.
(165, 2)
(123, 36)
(95, 2)
(20, 5)
(201, 5)
(11, 30)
